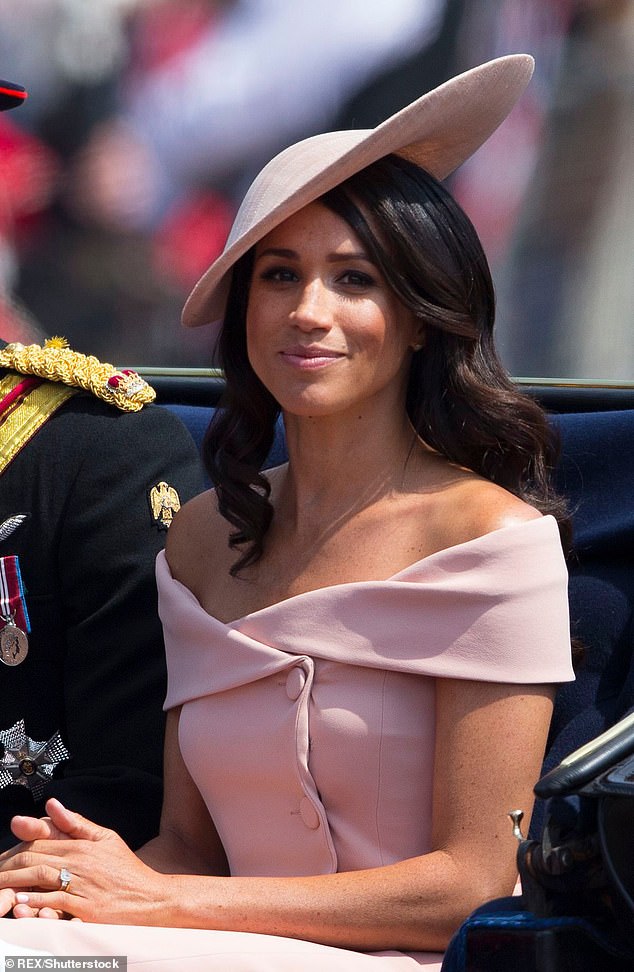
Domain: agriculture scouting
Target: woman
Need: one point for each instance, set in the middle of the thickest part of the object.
(362, 643)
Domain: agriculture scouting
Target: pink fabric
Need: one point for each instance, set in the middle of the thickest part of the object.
(194, 950)
(493, 609)
(309, 726)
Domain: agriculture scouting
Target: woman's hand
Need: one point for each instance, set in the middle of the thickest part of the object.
(7, 901)
(108, 882)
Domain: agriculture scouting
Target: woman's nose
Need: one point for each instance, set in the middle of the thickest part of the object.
(313, 307)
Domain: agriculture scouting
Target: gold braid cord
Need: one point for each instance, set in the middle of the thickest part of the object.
(57, 362)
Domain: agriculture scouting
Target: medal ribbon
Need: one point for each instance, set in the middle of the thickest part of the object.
(12, 600)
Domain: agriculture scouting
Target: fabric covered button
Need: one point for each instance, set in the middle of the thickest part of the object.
(308, 814)
(295, 683)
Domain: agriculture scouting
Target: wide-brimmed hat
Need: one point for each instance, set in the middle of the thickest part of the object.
(438, 132)
(11, 95)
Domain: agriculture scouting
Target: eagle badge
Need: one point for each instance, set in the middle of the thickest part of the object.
(164, 503)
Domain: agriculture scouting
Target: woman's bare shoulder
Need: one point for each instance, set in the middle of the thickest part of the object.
(483, 506)
(470, 507)
(198, 539)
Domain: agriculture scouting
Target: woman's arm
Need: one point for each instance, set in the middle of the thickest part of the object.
(490, 743)
(187, 841)
(490, 740)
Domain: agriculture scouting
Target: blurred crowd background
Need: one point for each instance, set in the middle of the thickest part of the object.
(147, 119)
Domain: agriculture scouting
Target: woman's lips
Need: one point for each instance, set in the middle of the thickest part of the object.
(310, 358)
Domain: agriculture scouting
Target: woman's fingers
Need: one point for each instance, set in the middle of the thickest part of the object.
(73, 877)
(27, 829)
(32, 828)
(25, 911)
(31, 875)
(49, 913)
(73, 824)
(7, 901)
(60, 824)
(54, 835)
(46, 904)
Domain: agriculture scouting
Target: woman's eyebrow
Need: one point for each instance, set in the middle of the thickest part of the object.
(285, 253)
(278, 252)
(293, 254)
(353, 255)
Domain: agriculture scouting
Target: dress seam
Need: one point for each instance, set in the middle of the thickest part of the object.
(379, 788)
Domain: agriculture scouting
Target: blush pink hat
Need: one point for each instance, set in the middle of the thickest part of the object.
(437, 131)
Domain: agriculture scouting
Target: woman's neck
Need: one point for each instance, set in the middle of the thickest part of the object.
(337, 467)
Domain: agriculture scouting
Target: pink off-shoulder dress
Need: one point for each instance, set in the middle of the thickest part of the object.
(308, 727)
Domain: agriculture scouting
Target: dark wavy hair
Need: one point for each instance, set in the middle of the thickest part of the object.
(460, 399)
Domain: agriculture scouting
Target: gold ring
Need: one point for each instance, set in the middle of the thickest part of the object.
(65, 877)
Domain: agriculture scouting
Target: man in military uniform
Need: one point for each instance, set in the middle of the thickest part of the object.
(90, 477)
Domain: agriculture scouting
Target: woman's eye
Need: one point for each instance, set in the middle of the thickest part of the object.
(356, 278)
(281, 274)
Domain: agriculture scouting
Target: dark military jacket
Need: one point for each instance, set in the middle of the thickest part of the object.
(95, 668)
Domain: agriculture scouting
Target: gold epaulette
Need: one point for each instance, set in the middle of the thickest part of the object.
(55, 361)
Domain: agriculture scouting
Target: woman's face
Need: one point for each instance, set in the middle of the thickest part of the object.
(325, 332)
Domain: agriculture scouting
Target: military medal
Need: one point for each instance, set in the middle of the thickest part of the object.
(14, 643)
(28, 762)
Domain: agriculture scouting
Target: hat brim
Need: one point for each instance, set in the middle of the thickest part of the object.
(11, 95)
(438, 131)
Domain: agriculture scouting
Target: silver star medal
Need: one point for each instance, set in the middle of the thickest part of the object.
(26, 761)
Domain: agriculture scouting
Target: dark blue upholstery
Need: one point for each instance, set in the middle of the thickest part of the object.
(195, 417)
(596, 472)
(198, 417)
(501, 937)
